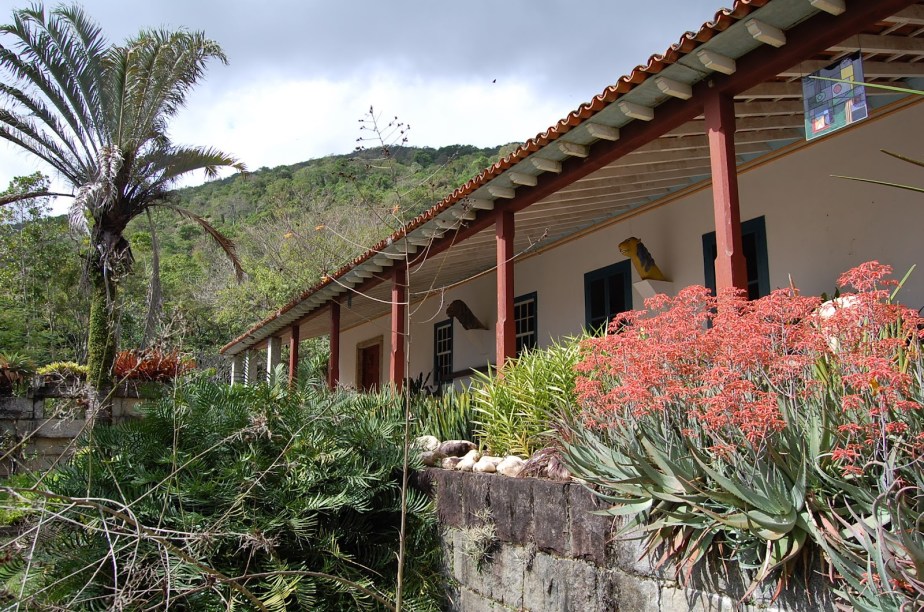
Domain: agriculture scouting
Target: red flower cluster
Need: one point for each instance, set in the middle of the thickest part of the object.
(722, 365)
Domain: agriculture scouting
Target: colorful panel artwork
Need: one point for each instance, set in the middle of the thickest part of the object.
(831, 105)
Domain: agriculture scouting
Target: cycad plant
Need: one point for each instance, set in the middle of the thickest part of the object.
(227, 498)
(98, 114)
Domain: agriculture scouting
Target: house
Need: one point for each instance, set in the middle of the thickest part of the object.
(701, 154)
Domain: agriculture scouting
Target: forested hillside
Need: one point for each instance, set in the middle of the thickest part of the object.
(290, 225)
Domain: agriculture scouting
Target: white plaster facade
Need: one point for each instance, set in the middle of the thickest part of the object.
(817, 227)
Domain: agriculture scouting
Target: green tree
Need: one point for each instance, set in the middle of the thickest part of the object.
(42, 311)
(97, 113)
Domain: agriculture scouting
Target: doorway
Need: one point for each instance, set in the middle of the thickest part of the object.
(369, 364)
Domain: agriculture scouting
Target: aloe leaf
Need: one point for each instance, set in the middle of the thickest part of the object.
(883, 183)
(627, 508)
(904, 158)
(745, 494)
(779, 523)
(901, 284)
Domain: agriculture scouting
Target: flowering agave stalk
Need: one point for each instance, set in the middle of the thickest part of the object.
(98, 114)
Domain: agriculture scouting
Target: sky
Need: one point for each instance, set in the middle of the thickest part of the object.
(302, 73)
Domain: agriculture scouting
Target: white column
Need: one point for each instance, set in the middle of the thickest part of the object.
(250, 368)
(273, 352)
(237, 369)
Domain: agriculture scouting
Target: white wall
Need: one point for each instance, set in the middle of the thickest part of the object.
(817, 227)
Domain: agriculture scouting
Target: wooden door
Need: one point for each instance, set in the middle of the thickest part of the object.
(370, 367)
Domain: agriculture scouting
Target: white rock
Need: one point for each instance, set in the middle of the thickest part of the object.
(466, 464)
(474, 455)
(450, 463)
(426, 443)
(485, 466)
(510, 466)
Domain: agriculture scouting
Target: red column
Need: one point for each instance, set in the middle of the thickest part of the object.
(506, 341)
(333, 366)
(730, 267)
(398, 329)
(293, 356)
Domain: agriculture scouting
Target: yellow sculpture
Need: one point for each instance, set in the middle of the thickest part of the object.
(642, 260)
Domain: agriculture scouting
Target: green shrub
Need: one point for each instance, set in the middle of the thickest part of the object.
(228, 496)
(448, 417)
(515, 413)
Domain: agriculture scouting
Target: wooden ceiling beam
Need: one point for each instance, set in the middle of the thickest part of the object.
(873, 43)
(761, 109)
(743, 124)
(871, 70)
(912, 15)
(593, 181)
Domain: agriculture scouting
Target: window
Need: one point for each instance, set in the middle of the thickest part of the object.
(442, 352)
(607, 292)
(754, 245)
(524, 317)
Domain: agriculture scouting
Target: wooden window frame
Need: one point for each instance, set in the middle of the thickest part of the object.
(518, 301)
(624, 268)
(756, 227)
(438, 379)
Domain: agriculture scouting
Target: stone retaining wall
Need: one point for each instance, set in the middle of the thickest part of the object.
(533, 545)
(46, 421)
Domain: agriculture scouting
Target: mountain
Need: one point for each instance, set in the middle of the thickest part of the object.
(290, 225)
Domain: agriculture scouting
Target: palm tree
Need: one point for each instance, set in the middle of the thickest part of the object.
(97, 113)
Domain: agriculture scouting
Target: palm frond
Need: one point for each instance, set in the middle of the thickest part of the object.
(25, 134)
(171, 62)
(223, 241)
(18, 197)
(165, 165)
(85, 41)
(46, 47)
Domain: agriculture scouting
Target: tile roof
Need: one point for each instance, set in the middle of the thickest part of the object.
(657, 63)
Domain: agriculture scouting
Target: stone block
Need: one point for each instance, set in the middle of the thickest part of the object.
(580, 586)
(634, 593)
(476, 500)
(60, 428)
(463, 567)
(475, 602)
(422, 480)
(543, 584)
(512, 509)
(449, 498)
(590, 533)
(500, 577)
(551, 530)
(16, 407)
(627, 553)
